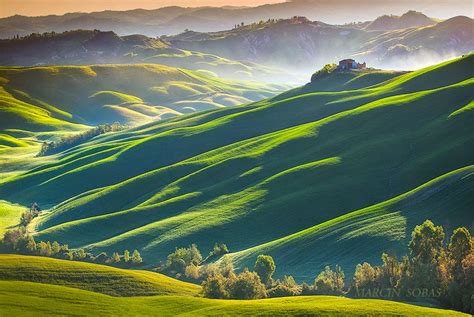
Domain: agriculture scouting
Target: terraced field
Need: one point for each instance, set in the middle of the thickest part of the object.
(308, 176)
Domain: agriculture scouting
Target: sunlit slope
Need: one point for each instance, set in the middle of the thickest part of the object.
(62, 97)
(253, 174)
(363, 235)
(25, 299)
(93, 277)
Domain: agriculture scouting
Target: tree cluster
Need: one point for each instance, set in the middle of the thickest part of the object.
(18, 240)
(30, 214)
(323, 72)
(68, 142)
(188, 262)
(444, 270)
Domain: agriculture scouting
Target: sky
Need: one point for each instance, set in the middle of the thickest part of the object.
(45, 7)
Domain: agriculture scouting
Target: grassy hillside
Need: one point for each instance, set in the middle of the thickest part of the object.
(25, 298)
(274, 176)
(45, 103)
(63, 97)
(365, 234)
(87, 47)
(91, 277)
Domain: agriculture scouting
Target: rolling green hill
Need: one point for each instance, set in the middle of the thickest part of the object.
(63, 97)
(44, 103)
(26, 298)
(90, 47)
(308, 176)
(91, 277)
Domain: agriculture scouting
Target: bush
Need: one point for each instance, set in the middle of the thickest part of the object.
(246, 285)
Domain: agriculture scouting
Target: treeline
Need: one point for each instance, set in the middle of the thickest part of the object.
(18, 240)
(68, 142)
(433, 269)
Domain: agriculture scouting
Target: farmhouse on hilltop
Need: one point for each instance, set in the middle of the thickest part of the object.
(348, 64)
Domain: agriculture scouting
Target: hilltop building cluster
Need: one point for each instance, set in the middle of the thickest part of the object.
(348, 64)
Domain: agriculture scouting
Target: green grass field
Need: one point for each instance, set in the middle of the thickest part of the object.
(309, 176)
(92, 277)
(26, 299)
(43, 286)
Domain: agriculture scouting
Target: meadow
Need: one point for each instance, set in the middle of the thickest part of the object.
(89, 289)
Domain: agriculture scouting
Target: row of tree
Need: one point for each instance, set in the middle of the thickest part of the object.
(18, 240)
(67, 142)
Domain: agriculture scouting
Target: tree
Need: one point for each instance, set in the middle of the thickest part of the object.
(219, 249)
(364, 276)
(265, 267)
(426, 247)
(227, 267)
(192, 271)
(14, 239)
(330, 282)
(286, 287)
(115, 258)
(55, 248)
(136, 257)
(246, 285)
(44, 248)
(323, 72)
(126, 256)
(26, 218)
(215, 287)
(459, 247)
(31, 245)
(182, 257)
(460, 270)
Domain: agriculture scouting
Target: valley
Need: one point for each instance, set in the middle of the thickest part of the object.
(288, 159)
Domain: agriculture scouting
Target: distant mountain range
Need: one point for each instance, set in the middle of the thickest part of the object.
(299, 43)
(274, 50)
(173, 20)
